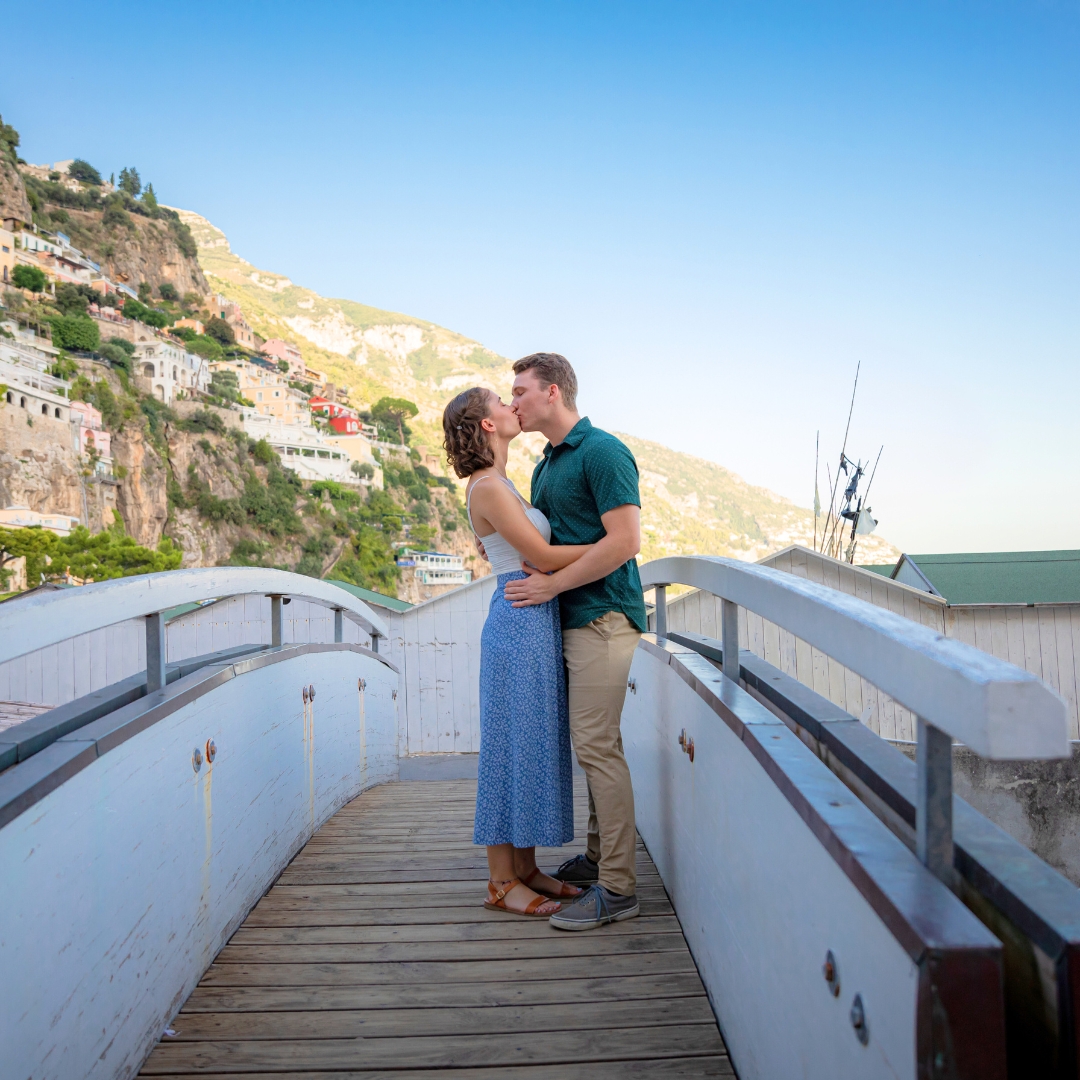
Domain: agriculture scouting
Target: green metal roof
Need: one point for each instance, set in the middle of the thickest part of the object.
(1000, 577)
(370, 597)
(884, 569)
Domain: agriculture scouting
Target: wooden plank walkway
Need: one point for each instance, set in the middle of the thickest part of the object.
(372, 957)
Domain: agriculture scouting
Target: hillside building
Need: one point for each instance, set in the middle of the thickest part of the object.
(7, 255)
(302, 449)
(91, 438)
(233, 314)
(342, 419)
(285, 350)
(268, 391)
(167, 370)
(22, 517)
(435, 567)
(24, 360)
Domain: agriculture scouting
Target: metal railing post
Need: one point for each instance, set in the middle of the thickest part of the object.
(729, 633)
(276, 620)
(374, 641)
(339, 625)
(933, 801)
(661, 611)
(155, 652)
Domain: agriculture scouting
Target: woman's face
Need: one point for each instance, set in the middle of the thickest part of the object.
(503, 418)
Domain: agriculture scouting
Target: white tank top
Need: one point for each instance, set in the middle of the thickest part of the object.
(501, 554)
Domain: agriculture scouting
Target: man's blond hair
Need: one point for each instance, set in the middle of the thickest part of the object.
(549, 368)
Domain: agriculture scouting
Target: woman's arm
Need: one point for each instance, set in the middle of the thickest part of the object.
(495, 505)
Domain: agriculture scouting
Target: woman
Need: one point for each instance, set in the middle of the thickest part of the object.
(524, 796)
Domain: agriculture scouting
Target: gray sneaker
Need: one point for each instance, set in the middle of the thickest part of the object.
(595, 907)
(580, 870)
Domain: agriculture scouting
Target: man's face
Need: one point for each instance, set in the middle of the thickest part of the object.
(532, 400)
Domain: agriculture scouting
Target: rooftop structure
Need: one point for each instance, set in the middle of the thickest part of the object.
(995, 577)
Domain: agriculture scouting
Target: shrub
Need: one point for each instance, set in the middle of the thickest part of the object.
(168, 291)
(146, 293)
(123, 343)
(283, 367)
(204, 420)
(115, 214)
(150, 199)
(363, 470)
(263, 453)
(84, 171)
(117, 357)
(75, 332)
(64, 368)
(135, 309)
(28, 277)
(220, 331)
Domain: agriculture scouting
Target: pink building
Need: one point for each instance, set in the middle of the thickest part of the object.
(284, 350)
(90, 432)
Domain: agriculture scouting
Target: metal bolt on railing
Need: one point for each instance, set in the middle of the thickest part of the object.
(858, 1020)
(311, 692)
(211, 751)
(831, 973)
(361, 685)
(303, 693)
(196, 759)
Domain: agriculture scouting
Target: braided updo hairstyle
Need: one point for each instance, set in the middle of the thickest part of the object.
(464, 440)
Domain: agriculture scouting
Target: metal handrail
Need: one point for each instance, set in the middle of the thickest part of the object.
(956, 691)
(46, 618)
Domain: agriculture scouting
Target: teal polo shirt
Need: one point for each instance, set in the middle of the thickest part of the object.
(589, 473)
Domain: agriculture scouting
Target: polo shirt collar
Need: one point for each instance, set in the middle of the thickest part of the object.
(574, 436)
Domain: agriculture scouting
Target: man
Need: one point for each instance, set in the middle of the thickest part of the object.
(587, 485)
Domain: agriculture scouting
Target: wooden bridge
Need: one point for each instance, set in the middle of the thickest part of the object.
(208, 836)
(372, 953)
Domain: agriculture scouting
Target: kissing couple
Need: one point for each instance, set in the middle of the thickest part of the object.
(557, 645)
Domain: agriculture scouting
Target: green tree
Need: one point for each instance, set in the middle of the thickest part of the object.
(150, 199)
(84, 171)
(75, 332)
(146, 292)
(130, 181)
(28, 277)
(393, 412)
(35, 544)
(220, 331)
(206, 347)
(283, 367)
(74, 299)
(9, 140)
(363, 470)
(167, 291)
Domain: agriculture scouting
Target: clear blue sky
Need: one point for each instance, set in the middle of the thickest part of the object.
(715, 210)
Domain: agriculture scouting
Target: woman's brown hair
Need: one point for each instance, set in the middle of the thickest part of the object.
(464, 440)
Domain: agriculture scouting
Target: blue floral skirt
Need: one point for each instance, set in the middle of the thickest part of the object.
(525, 792)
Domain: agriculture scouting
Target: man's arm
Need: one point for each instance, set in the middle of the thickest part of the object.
(620, 543)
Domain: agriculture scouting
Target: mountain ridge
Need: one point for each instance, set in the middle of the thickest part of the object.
(690, 505)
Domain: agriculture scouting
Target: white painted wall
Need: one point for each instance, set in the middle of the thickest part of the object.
(760, 899)
(436, 645)
(134, 873)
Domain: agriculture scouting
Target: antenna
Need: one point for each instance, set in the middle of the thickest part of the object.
(817, 500)
(843, 451)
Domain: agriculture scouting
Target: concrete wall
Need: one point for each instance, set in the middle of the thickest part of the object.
(1035, 802)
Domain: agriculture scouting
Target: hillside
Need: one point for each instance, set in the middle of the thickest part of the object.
(690, 505)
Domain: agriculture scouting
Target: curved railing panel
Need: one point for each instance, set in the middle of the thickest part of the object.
(999, 710)
(123, 881)
(827, 949)
(42, 619)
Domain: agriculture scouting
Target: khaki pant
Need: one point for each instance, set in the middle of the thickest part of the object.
(598, 658)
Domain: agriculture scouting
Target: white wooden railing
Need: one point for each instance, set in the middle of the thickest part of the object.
(957, 691)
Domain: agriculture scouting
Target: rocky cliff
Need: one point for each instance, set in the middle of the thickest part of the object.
(13, 200)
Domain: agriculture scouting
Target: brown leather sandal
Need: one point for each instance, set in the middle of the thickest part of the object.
(496, 901)
(567, 892)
